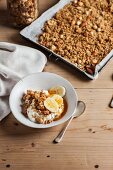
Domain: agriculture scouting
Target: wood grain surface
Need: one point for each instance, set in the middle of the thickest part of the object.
(88, 142)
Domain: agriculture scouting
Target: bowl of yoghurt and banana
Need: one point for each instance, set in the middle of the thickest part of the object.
(43, 100)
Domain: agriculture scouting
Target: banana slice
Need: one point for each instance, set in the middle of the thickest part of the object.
(51, 104)
(58, 99)
(60, 90)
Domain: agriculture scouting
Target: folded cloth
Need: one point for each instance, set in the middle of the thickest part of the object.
(16, 61)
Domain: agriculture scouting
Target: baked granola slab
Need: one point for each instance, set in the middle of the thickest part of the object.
(81, 32)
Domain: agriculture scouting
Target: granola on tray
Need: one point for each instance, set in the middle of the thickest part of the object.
(81, 32)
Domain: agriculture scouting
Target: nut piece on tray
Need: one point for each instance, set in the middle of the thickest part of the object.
(81, 32)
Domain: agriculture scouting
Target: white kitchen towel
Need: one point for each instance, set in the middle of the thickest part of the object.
(16, 61)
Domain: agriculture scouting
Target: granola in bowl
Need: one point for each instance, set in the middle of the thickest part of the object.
(44, 106)
(81, 33)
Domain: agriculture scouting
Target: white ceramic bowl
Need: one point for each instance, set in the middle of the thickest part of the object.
(39, 81)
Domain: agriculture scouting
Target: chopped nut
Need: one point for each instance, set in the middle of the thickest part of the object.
(95, 27)
(92, 33)
(78, 22)
(79, 30)
(88, 52)
(29, 20)
(99, 29)
(61, 36)
(54, 39)
(51, 22)
(87, 12)
(53, 47)
(89, 70)
(36, 95)
(80, 18)
(75, 1)
(94, 61)
(80, 3)
(79, 61)
(73, 22)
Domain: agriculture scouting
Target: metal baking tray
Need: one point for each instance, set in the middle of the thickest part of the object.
(32, 31)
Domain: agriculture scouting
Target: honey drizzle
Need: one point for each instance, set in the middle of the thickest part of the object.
(64, 111)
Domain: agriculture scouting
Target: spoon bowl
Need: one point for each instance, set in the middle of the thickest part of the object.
(79, 111)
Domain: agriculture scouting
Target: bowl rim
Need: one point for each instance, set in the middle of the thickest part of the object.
(49, 125)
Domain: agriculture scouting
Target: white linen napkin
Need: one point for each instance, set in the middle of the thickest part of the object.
(16, 61)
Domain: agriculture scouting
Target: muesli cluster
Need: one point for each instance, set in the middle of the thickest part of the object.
(81, 32)
(43, 106)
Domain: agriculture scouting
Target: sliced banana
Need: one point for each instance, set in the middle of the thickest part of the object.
(60, 90)
(51, 104)
(58, 99)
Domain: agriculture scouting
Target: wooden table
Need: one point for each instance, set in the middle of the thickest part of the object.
(88, 142)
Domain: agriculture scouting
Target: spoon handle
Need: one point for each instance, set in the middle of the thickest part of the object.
(62, 132)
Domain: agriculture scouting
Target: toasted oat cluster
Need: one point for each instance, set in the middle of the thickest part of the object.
(43, 106)
(81, 32)
(37, 98)
(23, 12)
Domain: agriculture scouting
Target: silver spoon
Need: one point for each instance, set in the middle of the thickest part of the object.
(80, 109)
